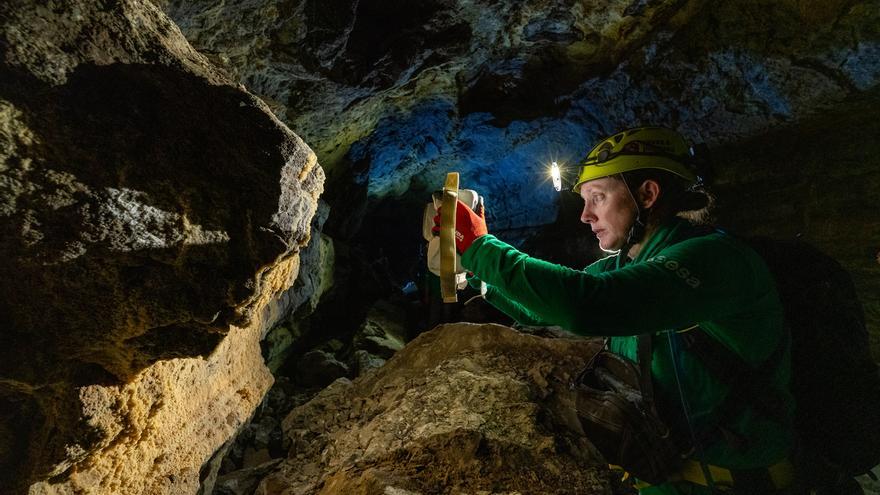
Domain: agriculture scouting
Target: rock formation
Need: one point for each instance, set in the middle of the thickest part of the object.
(156, 215)
(151, 209)
(463, 408)
(466, 71)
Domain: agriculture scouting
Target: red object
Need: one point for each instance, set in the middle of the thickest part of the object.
(468, 226)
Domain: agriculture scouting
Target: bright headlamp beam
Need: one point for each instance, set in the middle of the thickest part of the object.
(557, 178)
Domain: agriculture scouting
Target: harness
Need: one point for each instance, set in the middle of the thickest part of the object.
(619, 412)
(748, 386)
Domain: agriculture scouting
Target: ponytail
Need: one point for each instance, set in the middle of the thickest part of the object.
(677, 198)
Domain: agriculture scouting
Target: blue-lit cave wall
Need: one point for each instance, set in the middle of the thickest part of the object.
(411, 151)
(410, 154)
(724, 96)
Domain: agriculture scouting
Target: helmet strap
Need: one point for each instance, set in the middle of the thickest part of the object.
(637, 231)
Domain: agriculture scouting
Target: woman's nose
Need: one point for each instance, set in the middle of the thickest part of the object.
(587, 216)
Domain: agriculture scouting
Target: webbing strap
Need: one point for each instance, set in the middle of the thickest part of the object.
(447, 239)
(748, 386)
(645, 354)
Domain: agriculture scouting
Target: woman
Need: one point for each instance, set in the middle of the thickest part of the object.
(665, 277)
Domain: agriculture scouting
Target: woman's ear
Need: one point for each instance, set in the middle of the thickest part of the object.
(649, 191)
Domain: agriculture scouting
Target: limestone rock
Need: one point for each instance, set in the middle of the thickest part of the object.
(713, 68)
(318, 368)
(334, 68)
(384, 331)
(231, 469)
(363, 362)
(151, 209)
(282, 317)
(276, 345)
(209, 471)
(315, 276)
(243, 482)
(463, 408)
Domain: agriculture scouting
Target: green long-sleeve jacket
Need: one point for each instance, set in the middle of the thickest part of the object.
(678, 280)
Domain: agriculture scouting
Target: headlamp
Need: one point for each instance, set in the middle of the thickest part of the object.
(557, 178)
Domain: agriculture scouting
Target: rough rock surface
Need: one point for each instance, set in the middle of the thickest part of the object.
(384, 331)
(463, 81)
(150, 211)
(281, 318)
(239, 466)
(315, 274)
(464, 408)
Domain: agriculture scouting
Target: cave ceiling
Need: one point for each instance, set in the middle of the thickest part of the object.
(497, 88)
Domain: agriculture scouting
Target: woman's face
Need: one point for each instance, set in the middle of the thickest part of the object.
(609, 210)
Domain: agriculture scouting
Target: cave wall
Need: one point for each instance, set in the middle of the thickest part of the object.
(392, 95)
(721, 71)
(154, 210)
(152, 213)
(815, 181)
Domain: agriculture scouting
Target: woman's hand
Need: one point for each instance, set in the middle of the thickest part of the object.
(469, 226)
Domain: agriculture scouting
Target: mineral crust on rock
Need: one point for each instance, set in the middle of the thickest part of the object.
(464, 408)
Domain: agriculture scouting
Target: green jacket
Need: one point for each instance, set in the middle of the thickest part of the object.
(678, 280)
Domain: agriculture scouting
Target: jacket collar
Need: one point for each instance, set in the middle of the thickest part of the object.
(671, 232)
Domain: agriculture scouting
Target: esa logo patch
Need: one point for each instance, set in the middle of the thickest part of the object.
(676, 268)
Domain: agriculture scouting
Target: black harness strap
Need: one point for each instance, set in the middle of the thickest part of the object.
(747, 385)
(645, 355)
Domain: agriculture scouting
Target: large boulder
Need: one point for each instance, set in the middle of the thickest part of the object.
(151, 209)
(464, 408)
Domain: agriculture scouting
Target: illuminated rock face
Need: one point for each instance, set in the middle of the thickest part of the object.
(463, 408)
(151, 209)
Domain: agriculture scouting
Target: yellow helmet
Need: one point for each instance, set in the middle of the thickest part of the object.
(638, 148)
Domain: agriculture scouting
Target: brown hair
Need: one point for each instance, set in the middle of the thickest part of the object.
(677, 196)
